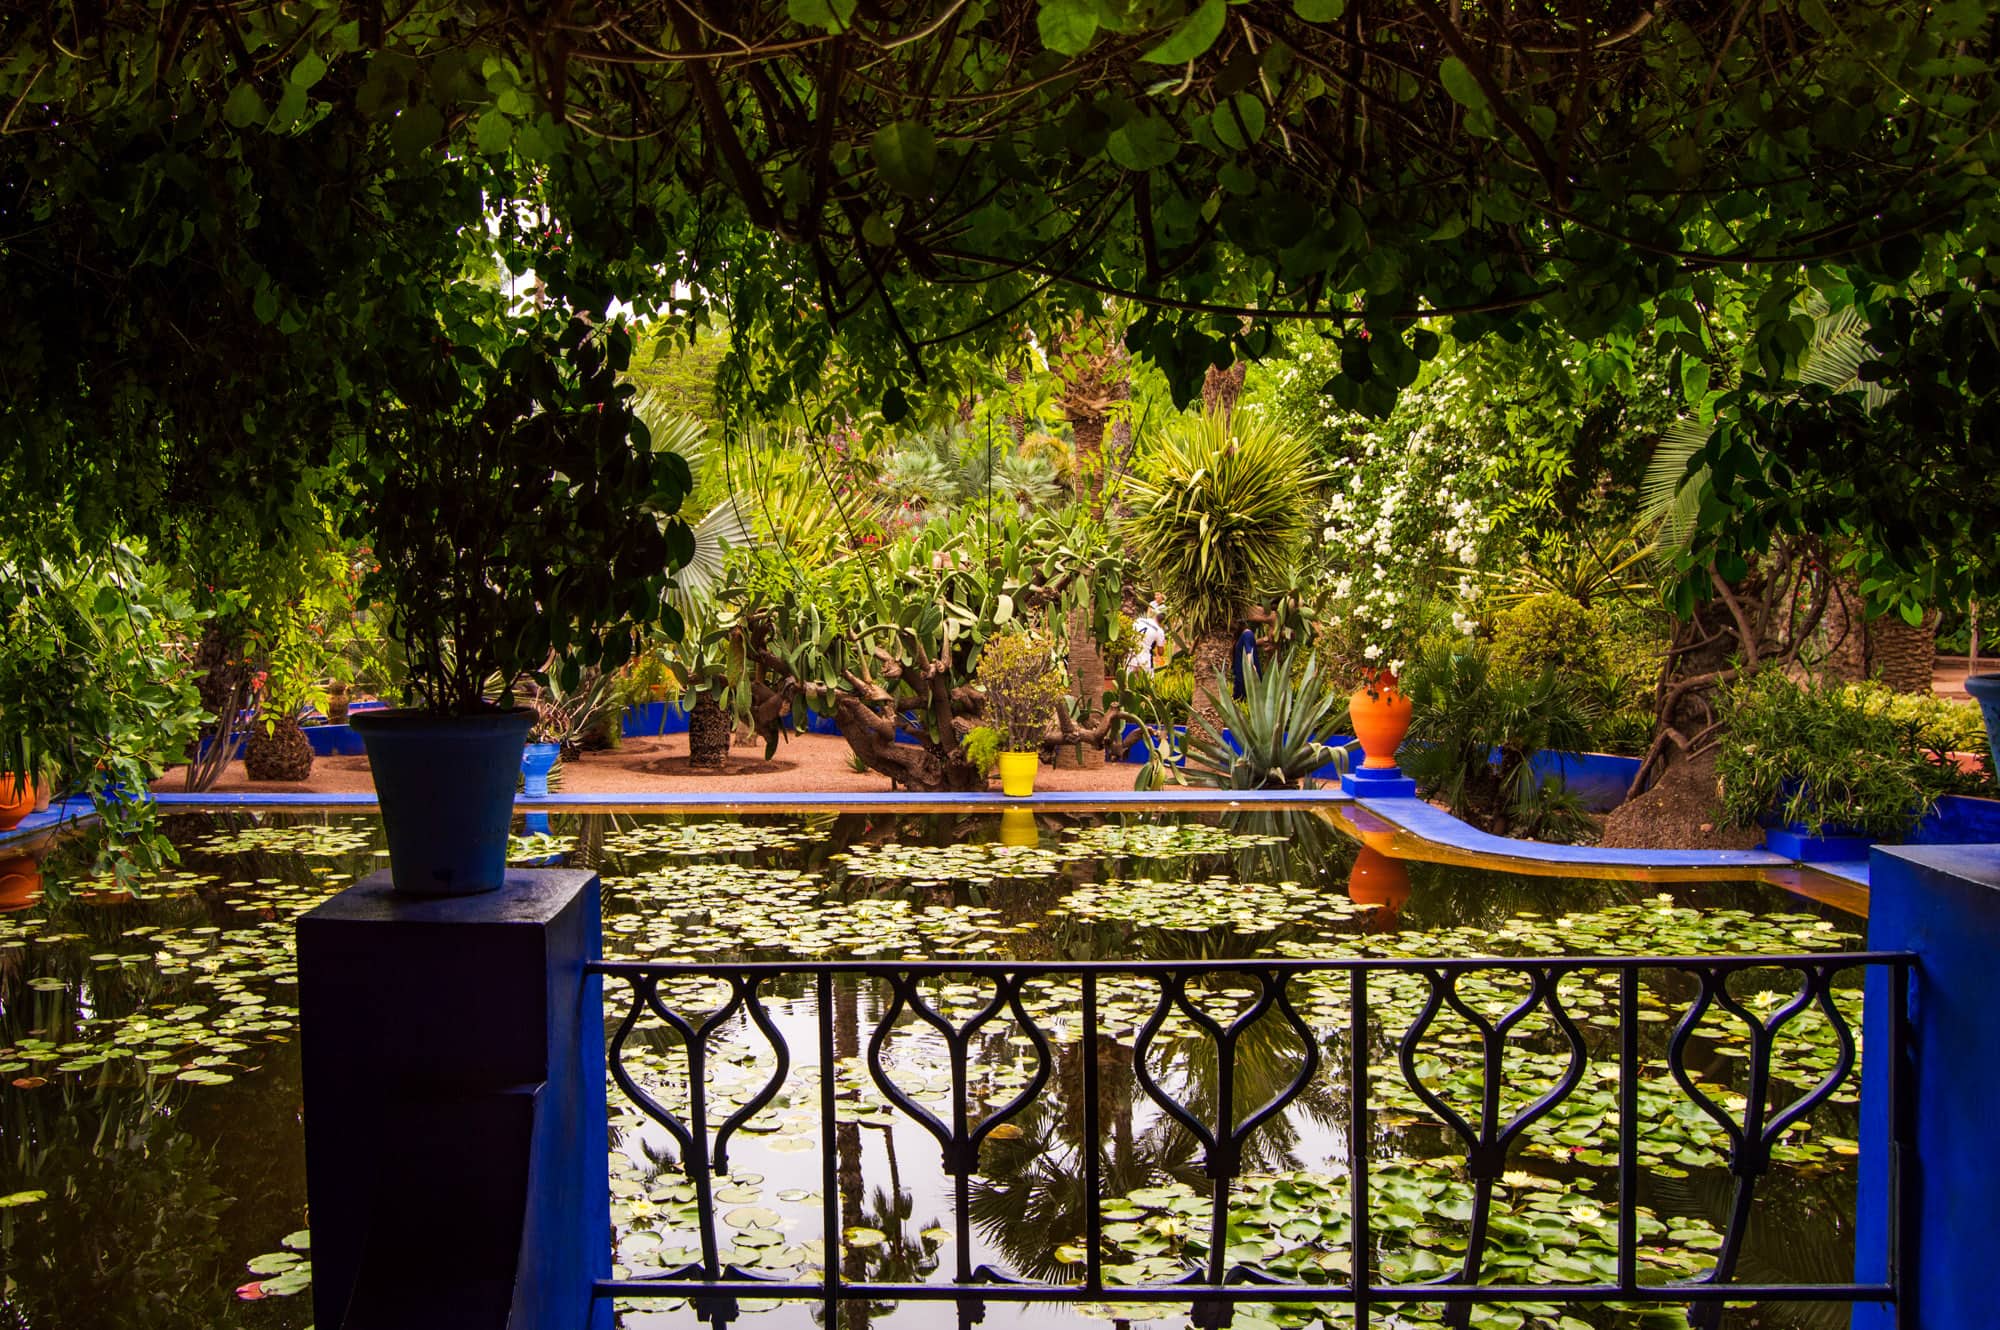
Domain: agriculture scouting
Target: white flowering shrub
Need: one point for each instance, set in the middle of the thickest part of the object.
(1416, 505)
(1497, 454)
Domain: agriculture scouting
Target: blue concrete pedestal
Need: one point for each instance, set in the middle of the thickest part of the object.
(1378, 783)
(1943, 903)
(453, 1059)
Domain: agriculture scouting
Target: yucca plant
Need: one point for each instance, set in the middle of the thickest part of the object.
(1220, 508)
(1277, 724)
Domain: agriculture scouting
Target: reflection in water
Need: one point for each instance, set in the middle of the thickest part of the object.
(157, 1102)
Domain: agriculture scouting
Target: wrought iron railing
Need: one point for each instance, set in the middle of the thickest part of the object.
(1753, 1119)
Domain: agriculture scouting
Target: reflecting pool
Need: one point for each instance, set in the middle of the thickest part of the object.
(152, 1171)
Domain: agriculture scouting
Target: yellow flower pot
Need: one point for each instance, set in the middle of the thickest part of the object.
(1017, 774)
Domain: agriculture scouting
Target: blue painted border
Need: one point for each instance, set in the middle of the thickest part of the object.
(1434, 824)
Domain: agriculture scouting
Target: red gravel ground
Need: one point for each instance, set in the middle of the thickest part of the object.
(808, 764)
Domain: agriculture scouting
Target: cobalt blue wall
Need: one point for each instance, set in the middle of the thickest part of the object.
(1943, 903)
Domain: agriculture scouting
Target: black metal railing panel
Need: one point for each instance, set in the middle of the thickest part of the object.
(1227, 1057)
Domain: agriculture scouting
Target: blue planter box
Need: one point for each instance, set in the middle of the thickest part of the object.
(1141, 751)
(334, 741)
(1598, 779)
(651, 718)
(1959, 819)
(1794, 842)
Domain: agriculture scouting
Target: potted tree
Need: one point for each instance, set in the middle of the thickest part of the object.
(1023, 688)
(521, 522)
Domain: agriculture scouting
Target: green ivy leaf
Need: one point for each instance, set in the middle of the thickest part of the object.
(1319, 11)
(1192, 36)
(310, 69)
(1066, 26)
(494, 133)
(1459, 82)
(832, 15)
(1142, 143)
(1239, 122)
(905, 156)
(244, 107)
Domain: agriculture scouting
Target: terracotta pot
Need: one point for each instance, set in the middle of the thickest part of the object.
(1381, 718)
(17, 800)
(20, 883)
(1380, 881)
(44, 796)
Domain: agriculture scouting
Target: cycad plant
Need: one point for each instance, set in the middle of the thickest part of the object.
(1220, 508)
(1475, 731)
(1277, 725)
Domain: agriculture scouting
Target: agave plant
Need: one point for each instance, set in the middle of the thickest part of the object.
(1277, 726)
(1219, 511)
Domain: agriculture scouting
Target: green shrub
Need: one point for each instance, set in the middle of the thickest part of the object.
(1465, 708)
(1023, 688)
(1828, 756)
(1164, 695)
(1611, 663)
(1219, 511)
(1552, 631)
(1942, 725)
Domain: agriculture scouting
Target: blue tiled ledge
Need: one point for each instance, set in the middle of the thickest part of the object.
(1434, 824)
(72, 812)
(1847, 871)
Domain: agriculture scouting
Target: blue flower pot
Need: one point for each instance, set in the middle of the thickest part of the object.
(537, 761)
(1985, 690)
(446, 786)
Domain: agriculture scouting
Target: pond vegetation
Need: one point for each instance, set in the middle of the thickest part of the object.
(153, 1169)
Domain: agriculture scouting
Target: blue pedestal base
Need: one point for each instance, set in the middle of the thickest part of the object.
(453, 1059)
(1378, 783)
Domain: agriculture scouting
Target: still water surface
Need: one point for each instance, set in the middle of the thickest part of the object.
(149, 1085)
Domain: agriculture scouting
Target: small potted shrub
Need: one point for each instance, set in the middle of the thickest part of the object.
(1023, 688)
(1823, 770)
(521, 523)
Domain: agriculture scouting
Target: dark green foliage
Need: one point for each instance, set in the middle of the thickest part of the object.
(1550, 631)
(1475, 726)
(1277, 725)
(519, 512)
(1828, 757)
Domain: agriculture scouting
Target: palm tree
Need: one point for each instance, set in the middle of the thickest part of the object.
(1218, 515)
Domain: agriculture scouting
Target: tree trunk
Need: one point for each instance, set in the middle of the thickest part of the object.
(1086, 665)
(708, 735)
(1844, 631)
(1087, 430)
(223, 683)
(283, 754)
(1767, 619)
(1221, 387)
(1210, 662)
(1903, 657)
(926, 766)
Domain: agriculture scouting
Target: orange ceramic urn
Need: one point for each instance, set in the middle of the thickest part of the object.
(1380, 715)
(17, 800)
